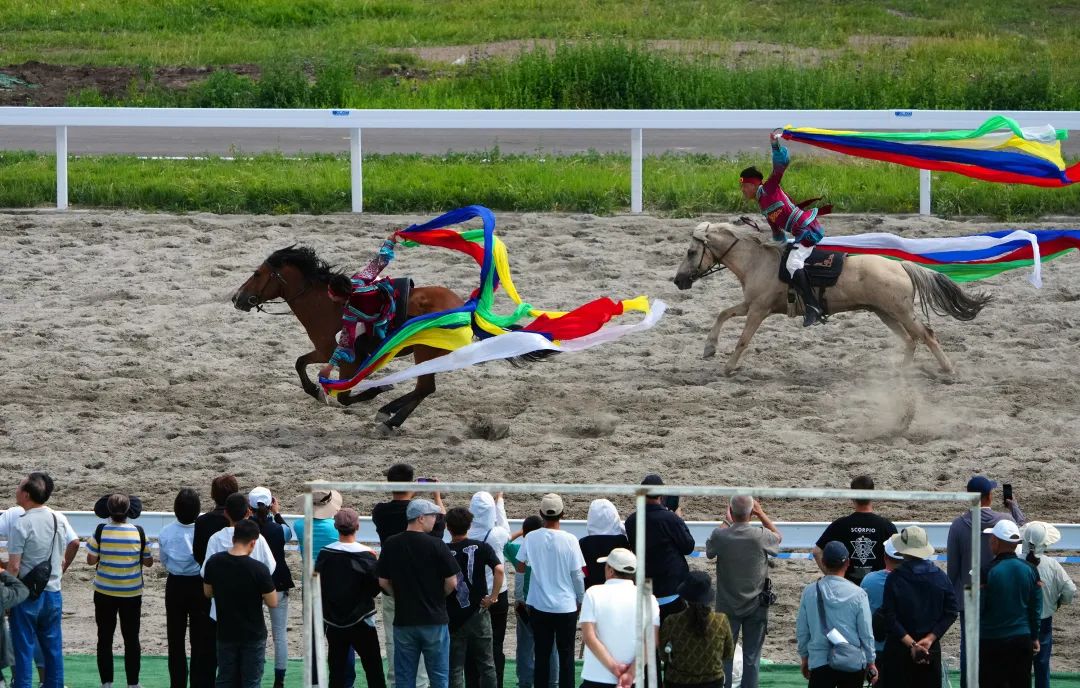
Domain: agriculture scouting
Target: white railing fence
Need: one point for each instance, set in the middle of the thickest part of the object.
(313, 633)
(635, 121)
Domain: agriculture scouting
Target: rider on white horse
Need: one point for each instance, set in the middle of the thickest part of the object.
(785, 217)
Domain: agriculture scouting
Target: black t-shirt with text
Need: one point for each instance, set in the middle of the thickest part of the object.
(474, 558)
(416, 565)
(239, 584)
(864, 534)
(389, 519)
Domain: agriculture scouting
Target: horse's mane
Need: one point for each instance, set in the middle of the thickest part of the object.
(304, 259)
(744, 233)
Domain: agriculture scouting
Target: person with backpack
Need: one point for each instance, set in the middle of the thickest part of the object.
(119, 551)
(272, 526)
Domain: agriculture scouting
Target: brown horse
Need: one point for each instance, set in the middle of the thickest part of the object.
(885, 287)
(298, 277)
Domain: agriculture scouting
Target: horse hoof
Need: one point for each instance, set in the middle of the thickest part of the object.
(383, 430)
(710, 351)
(381, 417)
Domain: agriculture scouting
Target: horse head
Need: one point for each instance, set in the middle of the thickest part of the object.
(709, 245)
(285, 274)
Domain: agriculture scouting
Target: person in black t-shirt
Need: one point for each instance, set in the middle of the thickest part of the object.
(389, 520)
(467, 606)
(604, 532)
(239, 585)
(419, 571)
(863, 532)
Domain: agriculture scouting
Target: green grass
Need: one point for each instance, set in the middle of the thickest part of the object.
(677, 185)
(174, 32)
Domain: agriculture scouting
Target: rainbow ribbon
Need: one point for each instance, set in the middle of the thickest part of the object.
(998, 151)
(454, 330)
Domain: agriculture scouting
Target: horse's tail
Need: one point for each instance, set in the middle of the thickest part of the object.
(940, 294)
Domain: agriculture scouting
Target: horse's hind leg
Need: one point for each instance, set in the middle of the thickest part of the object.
(918, 331)
(753, 321)
(402, 408)
(721, 318)
(899, 331)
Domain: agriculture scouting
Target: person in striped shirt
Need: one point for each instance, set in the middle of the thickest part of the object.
(119, 551)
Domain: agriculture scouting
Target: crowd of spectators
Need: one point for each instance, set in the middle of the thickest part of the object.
(878, 613)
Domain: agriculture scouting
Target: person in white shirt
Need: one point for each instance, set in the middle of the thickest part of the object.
(1057, 589)
(186, 607)
(236, 510)
(491, 526)
(556, 588)
(608, 617)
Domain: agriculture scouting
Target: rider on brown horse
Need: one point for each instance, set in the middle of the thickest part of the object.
(369, 307)
(785, 216)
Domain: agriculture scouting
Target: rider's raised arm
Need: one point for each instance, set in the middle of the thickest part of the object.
(780, 160)
(378, 263)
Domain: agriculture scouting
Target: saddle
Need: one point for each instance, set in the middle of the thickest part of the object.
(823, 267)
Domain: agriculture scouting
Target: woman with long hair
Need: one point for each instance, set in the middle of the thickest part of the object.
(695, 642)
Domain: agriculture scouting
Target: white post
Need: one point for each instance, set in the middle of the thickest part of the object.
(649, 631)
(61, 169)
(308, 568)
(320, 636)
(639, 579)
(924, 191)
(356, 171)
(971, 604)
(635, 170)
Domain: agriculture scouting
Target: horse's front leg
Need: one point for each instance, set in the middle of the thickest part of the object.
(723, 317)
(302, 363)
(753, 321)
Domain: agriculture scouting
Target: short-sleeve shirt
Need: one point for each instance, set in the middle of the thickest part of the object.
(239, 583)
(119, 567)
(873, 584)
(221, 541)
(741, 553)
(34, 536)
(416, 565)
(864, 534)
(556, 560)
(389, 520)
(176, 549)
(476, 560)
(613, 608)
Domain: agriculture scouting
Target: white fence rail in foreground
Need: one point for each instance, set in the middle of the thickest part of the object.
(798, 536)
(634, 121)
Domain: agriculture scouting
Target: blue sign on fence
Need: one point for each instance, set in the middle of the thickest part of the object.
(339, 113)
(903, 113)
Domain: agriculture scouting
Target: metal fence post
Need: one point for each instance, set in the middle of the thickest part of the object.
(61, 169)
(308, 567)
(356, 171)
(971, 605)
(644, 609)
(635, 170)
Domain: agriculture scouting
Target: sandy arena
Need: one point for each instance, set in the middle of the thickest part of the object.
(125, 368)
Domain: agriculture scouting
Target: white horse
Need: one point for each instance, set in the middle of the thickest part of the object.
(883, 286)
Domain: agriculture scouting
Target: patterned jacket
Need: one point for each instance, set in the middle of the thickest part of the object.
(371, 303)
(783, 215)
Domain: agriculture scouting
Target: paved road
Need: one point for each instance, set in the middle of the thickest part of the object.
(186, 142)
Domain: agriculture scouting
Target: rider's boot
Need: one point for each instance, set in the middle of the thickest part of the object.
(811, 307)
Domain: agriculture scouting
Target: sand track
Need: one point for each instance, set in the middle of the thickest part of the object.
(125, 367)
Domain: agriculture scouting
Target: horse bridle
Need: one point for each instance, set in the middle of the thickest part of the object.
(717, 266)
(260, 302)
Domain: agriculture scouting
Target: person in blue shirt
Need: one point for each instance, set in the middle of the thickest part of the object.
(918, 607)
(327, 504)
(847, 612)
(873, 584)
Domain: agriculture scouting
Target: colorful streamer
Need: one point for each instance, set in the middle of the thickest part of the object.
(500, 335)
(998, 151)
(968, 258)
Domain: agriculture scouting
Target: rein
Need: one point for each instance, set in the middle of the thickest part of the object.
(717, 265)
(260, 303)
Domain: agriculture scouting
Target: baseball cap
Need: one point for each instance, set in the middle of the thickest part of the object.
(259, 495)
(652, 479)
(981, 484)
(620, 559)
(421, 507)
(890, 550)
(551, 505)
(1004, 530)
(834, 554)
